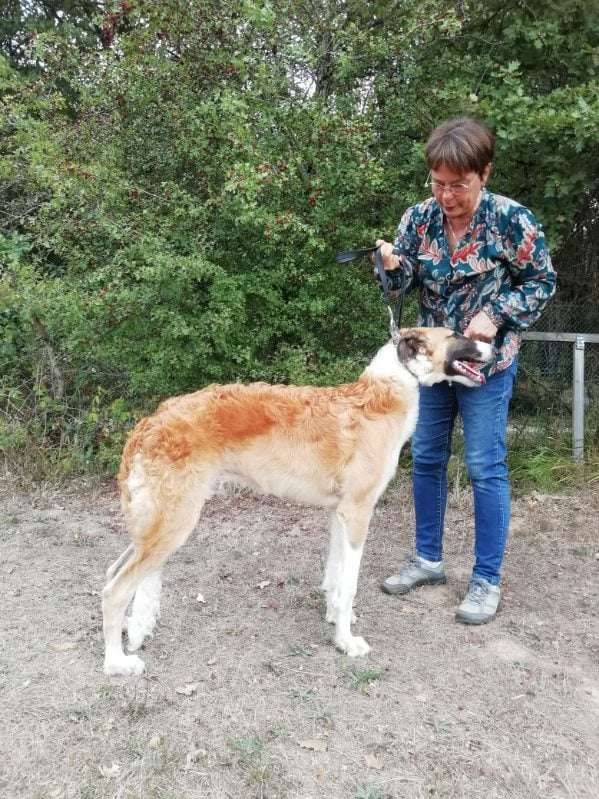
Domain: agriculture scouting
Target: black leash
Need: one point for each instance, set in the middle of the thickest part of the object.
(392, 293)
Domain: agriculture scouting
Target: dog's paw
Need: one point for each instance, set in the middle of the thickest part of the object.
(355, 646)
(126, 665)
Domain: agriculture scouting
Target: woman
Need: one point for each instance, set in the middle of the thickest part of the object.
(480, 264)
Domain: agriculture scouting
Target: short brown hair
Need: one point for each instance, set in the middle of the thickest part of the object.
(463, 144)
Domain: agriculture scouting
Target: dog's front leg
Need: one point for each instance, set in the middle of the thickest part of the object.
(341, 597)
(332, 574)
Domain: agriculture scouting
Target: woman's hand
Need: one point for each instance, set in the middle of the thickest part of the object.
(481, 328)
(390, 261)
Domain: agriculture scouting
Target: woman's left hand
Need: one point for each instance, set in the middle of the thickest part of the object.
(481, 328)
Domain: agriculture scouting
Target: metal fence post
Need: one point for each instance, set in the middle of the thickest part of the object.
(578, 400)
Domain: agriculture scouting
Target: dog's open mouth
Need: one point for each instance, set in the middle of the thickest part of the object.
(469, 369)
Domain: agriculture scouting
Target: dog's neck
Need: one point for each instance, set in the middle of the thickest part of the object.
(386, 366)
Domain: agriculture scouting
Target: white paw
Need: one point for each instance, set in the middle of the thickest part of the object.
(355, 646)
(134, 642)
(125, 665)
(136, 634)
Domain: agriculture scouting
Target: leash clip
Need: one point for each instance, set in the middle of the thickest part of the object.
(393, 328)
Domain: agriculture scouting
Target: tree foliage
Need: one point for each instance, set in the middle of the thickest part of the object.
(177, 176)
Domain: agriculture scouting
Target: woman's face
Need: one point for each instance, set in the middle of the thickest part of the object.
(456, 193)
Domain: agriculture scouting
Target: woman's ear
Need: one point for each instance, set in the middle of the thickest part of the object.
(486, 173)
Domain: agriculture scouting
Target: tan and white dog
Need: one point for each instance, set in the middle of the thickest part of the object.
(334, 447)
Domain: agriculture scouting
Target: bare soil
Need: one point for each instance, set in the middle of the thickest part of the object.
(246, 697)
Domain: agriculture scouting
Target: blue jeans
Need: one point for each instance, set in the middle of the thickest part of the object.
(484, 411)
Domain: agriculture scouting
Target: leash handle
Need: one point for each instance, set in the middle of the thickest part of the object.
(386, 286)
(345, 256)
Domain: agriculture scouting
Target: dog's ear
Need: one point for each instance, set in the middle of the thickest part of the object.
(410, 344)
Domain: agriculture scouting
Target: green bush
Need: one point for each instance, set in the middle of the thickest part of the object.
(175, 181)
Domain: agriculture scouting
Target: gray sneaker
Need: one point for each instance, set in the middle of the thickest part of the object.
(416, 571)
(480, 603)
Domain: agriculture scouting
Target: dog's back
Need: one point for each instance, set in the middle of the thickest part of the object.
(284, 440)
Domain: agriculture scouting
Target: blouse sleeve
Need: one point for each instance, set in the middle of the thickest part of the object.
(533, 279)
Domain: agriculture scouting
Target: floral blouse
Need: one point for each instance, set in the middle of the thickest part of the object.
(500, 266)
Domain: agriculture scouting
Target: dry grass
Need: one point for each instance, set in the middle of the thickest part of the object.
(245, 696)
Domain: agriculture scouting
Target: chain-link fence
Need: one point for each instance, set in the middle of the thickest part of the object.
(544, 396)
(554, 360)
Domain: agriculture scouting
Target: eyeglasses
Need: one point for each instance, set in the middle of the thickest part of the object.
(438, 187)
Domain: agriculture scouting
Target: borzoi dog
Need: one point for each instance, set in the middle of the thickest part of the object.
(335, 447)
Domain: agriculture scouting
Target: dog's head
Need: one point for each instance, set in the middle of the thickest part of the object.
(433, 354)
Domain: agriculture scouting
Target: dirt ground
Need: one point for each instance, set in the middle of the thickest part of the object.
(244, 694)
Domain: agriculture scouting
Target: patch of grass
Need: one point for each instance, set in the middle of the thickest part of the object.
(78, 713)
(247, 747)
(550, 467)
(135, 703)
(363, 678)
(258, 775)
(106, 691)
(583, 552)
(369, 792)
(254, 762)
(168, 758)
(300, 651)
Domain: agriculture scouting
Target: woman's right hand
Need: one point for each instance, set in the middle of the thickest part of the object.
(390, 260)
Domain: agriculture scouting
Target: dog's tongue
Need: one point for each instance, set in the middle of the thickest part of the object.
(469, 369)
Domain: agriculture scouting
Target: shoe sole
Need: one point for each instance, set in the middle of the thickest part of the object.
(404, 589)
(470, 620)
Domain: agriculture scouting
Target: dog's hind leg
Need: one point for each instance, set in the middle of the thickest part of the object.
(114, 567)
(353, 519)
(144, 611)
(116, 595)
(162, 532)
